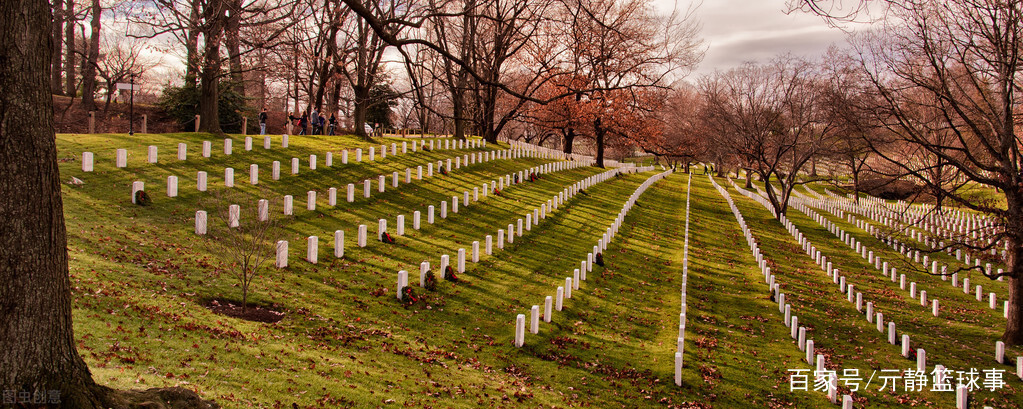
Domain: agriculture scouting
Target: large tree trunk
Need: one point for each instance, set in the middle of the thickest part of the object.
(360, 109)
(69, 57)
(458, 111)
(89, 65)
(232, 33)
(569, 140)
(598, 132)
(489, 111)
(209, 77)
(1014, 261)
(37, 349)
(58, 45)
(192, 47)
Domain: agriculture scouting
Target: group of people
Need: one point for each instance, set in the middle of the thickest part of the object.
(320, 123)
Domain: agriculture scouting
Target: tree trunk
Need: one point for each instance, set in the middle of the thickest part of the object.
(37, 349)
(69, 58)
(598, 132)
(209, 92)
(1014, 261)
(58, 45)
(569, 141)
(360, 109)
(209, 76)
(192, 47)
(89, 65)
(232, 31)
(749, 178)
(856, 186)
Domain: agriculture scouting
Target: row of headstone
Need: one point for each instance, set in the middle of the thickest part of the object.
(680, 341)
(121, 155)
(546, 208)
(788, 318)
(934, 266)
(875, 261)
(465, 198)
(362, 238)
(202, 177)
(844, 287)
(573, 282)
(920, 355)
(929, 227)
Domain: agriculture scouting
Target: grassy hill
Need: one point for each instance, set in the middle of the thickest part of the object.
(141, 278)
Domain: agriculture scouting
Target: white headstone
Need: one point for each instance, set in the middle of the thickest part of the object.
(312, 249)
(201, 181)
(172, 186)
(520, 329)
(135, 187)
(282, 254)
(362, 235)
(339, 243)
(229, 177)
(200, 222)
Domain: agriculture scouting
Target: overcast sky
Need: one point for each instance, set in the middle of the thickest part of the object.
(735, 31)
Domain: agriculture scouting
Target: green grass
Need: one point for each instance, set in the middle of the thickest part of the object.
(139, 275)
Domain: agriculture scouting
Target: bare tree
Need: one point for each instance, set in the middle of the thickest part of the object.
(772, 118)
(946, 75)
(248, 246)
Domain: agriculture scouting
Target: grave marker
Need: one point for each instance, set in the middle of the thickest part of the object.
(200, 222)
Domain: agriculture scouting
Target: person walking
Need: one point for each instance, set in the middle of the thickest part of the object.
(262, 122)
(315, 119)
(333, 123)
(303, 123)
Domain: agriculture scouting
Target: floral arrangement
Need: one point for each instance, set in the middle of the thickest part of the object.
(497, 192)
(142, 198)
(409, 297)
(600, 259)
(430, 282)
(386, 238)
(449, 274)
(442, 170)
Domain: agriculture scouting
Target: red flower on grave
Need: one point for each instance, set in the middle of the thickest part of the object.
(430, 283)
(449, 274)
(600, 259)
(408, 297)
(497, 192)
(386, 238)
(142, 198)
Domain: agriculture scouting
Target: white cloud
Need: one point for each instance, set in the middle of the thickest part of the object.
(736, 31)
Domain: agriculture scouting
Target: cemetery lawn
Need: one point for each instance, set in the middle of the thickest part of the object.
(140, 277)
